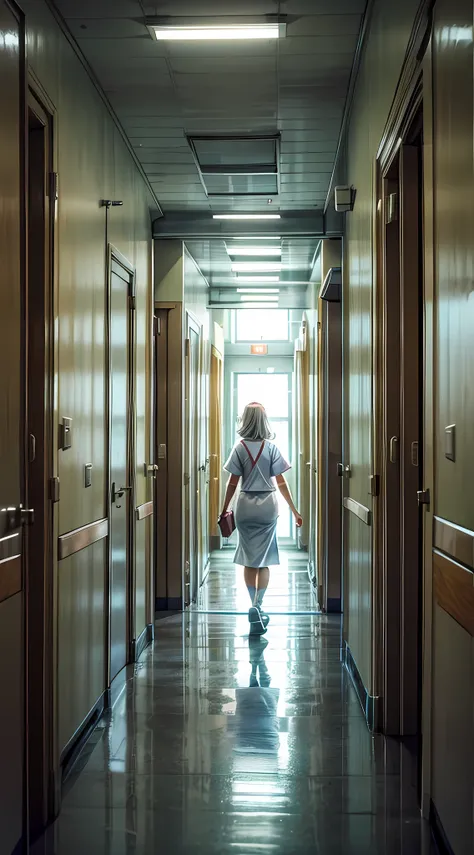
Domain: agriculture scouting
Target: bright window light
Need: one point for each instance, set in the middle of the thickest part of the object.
(246, 217)
(256, 267)
(262, 326)
(254, 250)
(258, 290)
(218, 32)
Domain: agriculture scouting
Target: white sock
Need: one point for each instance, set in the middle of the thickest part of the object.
(260, 596)
(252, 592)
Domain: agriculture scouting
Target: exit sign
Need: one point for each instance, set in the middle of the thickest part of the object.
(259, 349)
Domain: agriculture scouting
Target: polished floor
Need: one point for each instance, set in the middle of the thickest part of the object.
(289, 592)
(218, 745)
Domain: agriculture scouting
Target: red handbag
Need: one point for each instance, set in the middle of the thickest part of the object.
(226, 523)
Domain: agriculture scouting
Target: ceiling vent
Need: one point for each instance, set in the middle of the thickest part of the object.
(237, 166)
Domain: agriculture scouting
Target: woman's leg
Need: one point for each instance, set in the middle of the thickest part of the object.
(250, 576)
(263, 579)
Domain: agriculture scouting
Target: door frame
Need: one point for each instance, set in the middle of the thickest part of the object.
(192, 323)
(417, 95)
(113, 254)
(230, 377)
(43, 798)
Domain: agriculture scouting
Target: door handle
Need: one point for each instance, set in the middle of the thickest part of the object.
(20, 516)
(117, 493)
(394, 449)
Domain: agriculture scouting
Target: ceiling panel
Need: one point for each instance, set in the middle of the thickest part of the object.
(161, 92)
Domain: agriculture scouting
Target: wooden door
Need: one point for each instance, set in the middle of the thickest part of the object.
(192, 500)
(121, 413)
(41, 199)
(215, 446)
(13, 496)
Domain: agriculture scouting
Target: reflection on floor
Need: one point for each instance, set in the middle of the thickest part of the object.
(218, 746)
(290, 589)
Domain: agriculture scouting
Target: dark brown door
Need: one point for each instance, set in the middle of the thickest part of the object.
(12, 435)
(41, 199)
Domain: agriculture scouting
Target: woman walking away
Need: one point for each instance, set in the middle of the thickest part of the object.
(260, 464)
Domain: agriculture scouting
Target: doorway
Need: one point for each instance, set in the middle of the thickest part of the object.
(274, 391)
(215, 446)
(399, 520)
(192, 476)
(41, 200)
(121, 455)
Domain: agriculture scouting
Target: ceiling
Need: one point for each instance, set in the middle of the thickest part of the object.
(297, 257)
(164, 91)
(292, 90)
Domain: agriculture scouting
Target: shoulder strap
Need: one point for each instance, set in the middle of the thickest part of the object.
(257, 458)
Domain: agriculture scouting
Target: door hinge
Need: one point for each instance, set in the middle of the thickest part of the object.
(374, 485)
(414, 453)
(132, 302)
(423, 497)
(156, 325)
(186, 346)
(54, 489)
(53, 191)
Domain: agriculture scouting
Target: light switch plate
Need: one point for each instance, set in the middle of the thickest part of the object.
(450, 442)
(66, 433)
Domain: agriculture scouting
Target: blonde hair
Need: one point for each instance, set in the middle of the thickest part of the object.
(254, 423)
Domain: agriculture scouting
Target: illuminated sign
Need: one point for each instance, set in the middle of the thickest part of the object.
(259, 349)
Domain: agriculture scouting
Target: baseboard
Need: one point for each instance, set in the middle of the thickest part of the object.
(333, 605)
(371, 705)
(144, 639)
(214, 542)
(169, 604)
(73, 748)
(439, 833)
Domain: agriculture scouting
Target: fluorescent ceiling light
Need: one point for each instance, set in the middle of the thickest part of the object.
(256, 266)
(258, 290)
(258, 278)
(216, 32)
(246, 216)
(266, 238)
(259, 299)
(254, 250)
(260, 305)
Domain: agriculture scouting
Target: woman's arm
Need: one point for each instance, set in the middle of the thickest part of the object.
(229, 493)
(285, 492)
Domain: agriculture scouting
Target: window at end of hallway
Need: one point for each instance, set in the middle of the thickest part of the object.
(253, 325)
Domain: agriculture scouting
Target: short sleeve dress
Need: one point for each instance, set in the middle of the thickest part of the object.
(256, 513)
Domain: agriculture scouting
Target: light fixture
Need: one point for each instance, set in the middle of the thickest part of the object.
(260, 305)
(256, 266)
(254, 250)
(258, 278)
(211, 29)
(266, 238)
(258, 298)
(258, 290)
(246, 217)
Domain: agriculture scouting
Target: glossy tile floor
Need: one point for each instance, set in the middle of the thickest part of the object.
(289, 591)
(218, 745)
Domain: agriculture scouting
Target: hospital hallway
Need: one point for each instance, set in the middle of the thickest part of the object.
(218, 745)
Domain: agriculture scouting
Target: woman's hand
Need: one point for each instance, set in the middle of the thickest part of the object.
(298, 520)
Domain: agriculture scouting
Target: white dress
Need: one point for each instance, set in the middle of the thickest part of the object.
(256, 513)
